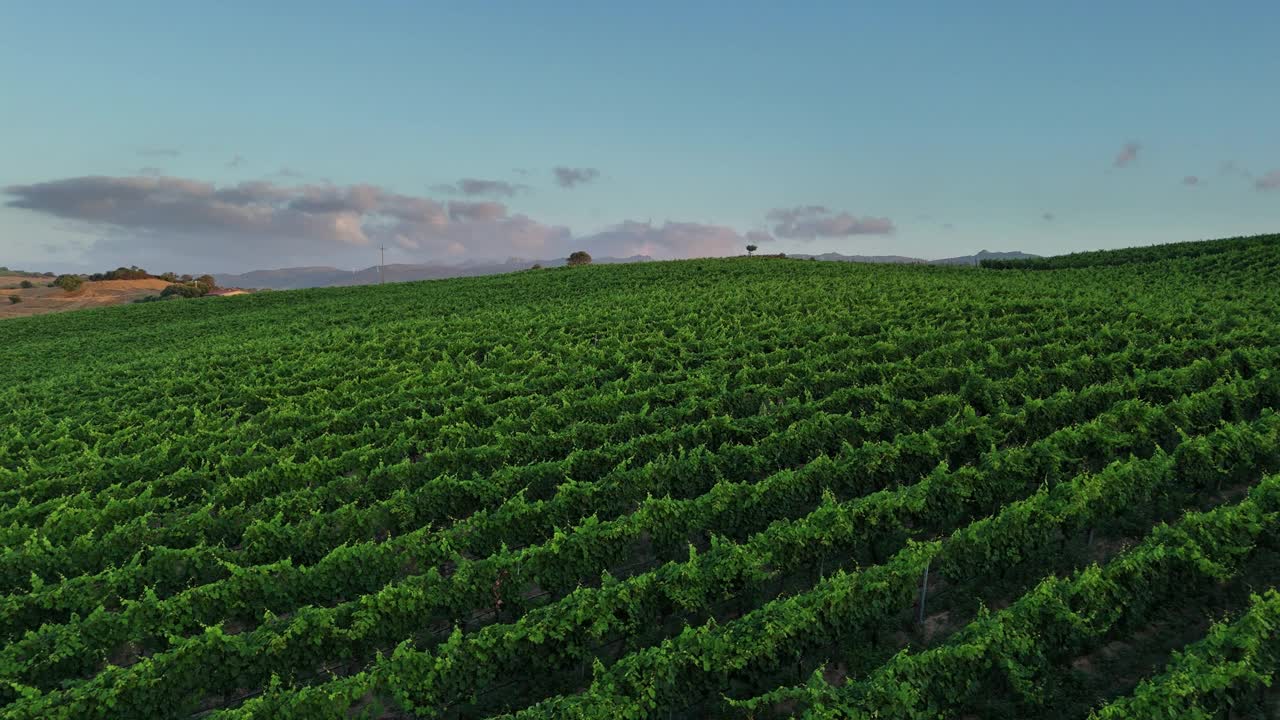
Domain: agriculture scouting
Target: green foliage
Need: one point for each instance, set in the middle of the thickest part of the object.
(579, 257)
(15, 299)
(1203, 250)
(70, 283)
(647, 490)
(192, 289)
(122, 273)
(26, 284)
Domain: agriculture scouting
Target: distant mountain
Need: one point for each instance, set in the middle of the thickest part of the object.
(284, 278)
(983, 255)
(309, 277)
(900, 259)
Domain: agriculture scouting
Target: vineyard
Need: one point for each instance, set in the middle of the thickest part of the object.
(739, 488)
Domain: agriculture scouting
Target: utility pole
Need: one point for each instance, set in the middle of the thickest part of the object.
(382, 271)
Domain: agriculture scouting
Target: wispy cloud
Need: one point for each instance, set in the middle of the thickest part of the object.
(476, 186)
(180, 222)
(150, 171)
(288, 172)
(159, 152)
(471, 211)
(669, 240)
(1191, 180)
(1047, 217)
(1270, 181)
(1127, 154)
(568, 177)
(263, 222)
(1230, 168)
(236, 161)
(808, 222)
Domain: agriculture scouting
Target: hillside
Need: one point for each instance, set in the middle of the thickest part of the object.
(42, 299)
(714, 488)
(312, 277)
(974, 259)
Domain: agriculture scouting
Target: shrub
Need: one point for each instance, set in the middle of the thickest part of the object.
(70, 283)
(14, 299)
(184, 290)
(536, 266)
(26, 284)
(122, 273)
(579, 257)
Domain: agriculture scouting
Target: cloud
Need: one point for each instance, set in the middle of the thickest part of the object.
(948, 226)
(1191, 180)
(1270, 181)
(1229, 167)
(758, 237)
(159, 152)
(475, 186)
(257, 224)
(568, 177)
(236, 161)
(807, 222)
(1047, 217)
(669, 240)
(150, 171)
(466, 211)
(1127, 154)
(287, 172)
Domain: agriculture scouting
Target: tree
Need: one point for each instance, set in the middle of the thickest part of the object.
(579, 257)
(207, 281)
(70, 283)
(751, 249)
(536, 266)
(186, 290)
(168, 277)
(26, 284)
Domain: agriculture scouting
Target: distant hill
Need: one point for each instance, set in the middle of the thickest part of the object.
(309, 277)
(901, 259)
(984, 255)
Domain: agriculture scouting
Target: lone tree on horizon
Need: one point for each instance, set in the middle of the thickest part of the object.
(579, 257)
(751, 249)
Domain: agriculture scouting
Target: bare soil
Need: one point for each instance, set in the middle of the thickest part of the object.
(41, 299)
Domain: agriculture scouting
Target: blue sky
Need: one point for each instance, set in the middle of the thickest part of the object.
(925, 129)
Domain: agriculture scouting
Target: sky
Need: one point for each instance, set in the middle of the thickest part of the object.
(203, 137)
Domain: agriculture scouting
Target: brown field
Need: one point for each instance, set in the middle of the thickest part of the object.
(41, 299)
